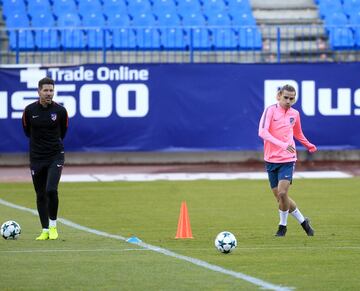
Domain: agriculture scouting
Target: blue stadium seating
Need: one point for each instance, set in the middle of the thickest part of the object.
(193, 19)
(173, 38)
(189, 6)
(71, 38)
(239, 6)
(95, 23)
(37, 7)
(135, 24)
(148, 38)
(168, 19)
(199, 38)
(139, 6)
(351, 6)
(214, 6)
(250, 38)
(124, 38)
(341, 38)
(239, 19)
(224, 38)
(329, 6)
(114, 7)
(354, 17)
(164, 7)
(21, 38)
(46, 34)
(118, 19)
(11, 7)
(63, 7)
(89, 7)
(143, 19)
(219, 19)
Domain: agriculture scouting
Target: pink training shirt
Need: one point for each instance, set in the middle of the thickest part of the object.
(277, 128)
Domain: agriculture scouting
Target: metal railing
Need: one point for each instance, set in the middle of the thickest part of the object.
(294, 43)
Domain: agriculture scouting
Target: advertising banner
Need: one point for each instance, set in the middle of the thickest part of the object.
(183, 107)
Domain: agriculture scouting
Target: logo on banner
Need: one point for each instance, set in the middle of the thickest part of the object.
(90, 92)
(315, 101)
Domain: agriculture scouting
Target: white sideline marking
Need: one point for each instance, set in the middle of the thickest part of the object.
(258, 282)
(64, 250)
(195, 176)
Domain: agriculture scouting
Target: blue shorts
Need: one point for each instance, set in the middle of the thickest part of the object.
(279, 171)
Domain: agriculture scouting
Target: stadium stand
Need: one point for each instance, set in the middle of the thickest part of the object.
(273, 30)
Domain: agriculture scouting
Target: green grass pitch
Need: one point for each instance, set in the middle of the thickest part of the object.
(150, 210)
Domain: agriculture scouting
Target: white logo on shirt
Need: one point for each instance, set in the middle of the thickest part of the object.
(35, 116)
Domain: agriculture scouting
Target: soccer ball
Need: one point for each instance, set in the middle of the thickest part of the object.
(225, 242)
(10, 230)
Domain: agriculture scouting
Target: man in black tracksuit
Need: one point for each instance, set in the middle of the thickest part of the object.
(45, 123)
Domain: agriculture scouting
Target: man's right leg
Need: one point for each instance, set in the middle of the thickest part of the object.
(39, 175)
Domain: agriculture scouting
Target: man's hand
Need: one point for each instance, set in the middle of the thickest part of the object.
(312, 148)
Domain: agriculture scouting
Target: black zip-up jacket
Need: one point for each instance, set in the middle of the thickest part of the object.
(46, 127)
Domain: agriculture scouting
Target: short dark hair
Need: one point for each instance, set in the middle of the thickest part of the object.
(287, 87)
(44, 81)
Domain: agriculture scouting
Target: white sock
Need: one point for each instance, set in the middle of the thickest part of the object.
(298, 215)
(283, 217)
(52, 223)
(45, 230)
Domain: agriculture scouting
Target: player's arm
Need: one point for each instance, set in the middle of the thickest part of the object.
(26, 122)
(299, 135)
(264, 132)
(64, 123)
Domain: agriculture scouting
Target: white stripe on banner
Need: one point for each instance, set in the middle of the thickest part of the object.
(203, 264)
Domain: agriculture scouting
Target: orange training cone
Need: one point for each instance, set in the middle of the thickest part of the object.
(184, 228)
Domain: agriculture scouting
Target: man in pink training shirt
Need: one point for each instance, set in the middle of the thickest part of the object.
(279, 124)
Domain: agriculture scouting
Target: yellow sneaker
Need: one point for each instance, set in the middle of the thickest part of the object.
(43, 236)
(53, 234)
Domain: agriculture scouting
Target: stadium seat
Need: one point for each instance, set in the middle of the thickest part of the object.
(173, 38)
(239, 6)
(242, 19)
(164, 7)
(124, 38)
(143, 19)
(20, 34)
(189, 6)
(219, 19)
(89, 7)
(148, 38)
(37, 7)
(139, 7)
(357, 37)
(329, 6)
(46, 34)
(168, 19)
(249, 38)
(224, 38)
(71, 38)
(214, 6)
(193, 19)
(351, 6)
(341, 38)
(114, 7)
(335, 19)
(118, 19)
(63, 7)
(11, 7)
(199, 38)
(95, 28)
(354, 18)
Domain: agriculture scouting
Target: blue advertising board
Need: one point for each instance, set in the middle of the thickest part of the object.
(183, 107)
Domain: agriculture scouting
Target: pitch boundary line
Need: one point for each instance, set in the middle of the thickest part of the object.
(253, 280)
(65, 250)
